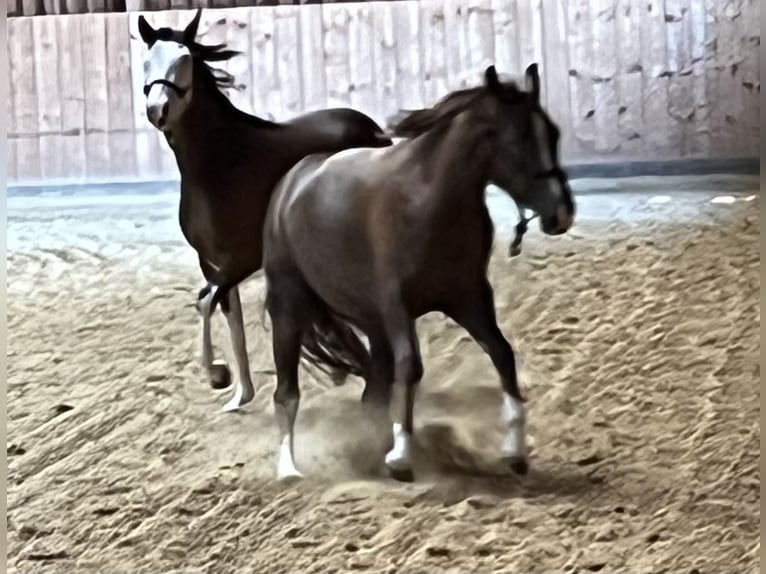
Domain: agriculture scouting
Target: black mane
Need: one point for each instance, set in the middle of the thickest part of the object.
(214, 79)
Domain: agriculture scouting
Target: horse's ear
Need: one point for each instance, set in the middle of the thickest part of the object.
(532, 77)
(148, 34)
(190, 33)
(491, 79)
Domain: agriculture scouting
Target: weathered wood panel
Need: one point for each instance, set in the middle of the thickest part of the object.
(433, 39)
(25, 93)
(55, 7)
(335, 21)
(97, 97)
(288, 66)
(384, 56)
(72, 67)
(629, 76)
(46, 57)
(312, 58)
(409, 78)
(555, 70)
(361, 72)
(122, 152)
(625, 79)
(582, 105)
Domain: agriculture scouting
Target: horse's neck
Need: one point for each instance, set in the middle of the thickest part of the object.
(461, 160)
(211, 144)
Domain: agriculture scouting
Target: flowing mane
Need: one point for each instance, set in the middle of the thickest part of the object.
(214, 79)
(418, 122)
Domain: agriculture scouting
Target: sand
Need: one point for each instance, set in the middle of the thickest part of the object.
(638, 337)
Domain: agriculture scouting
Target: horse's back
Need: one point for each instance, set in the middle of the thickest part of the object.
(348, 127)
(325, 207)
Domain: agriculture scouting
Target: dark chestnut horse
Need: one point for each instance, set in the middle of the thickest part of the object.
(381, 237)
(230, 162)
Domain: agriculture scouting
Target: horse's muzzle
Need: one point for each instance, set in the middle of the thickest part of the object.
(559, 222)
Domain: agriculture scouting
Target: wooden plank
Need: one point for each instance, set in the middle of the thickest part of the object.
(697, 133)
(96, 102)
(24, 86)
(455, 15)
(554, 71)
(629, 76)
(13, 95)
(679, 67)
(288, 65)
(266, 102)
(480, 38)
(29, 7)
(409, 79)
(72, 96)
(728, 59)
(433, 39)
(76, 6)
(311, 45)
(122, 153)
(96, 6)
(582, 104)
(384, 56)
(11, 162)
(530, 34)
(335, 18)
(13, 8)
(750, 77)
(52, 6)
(361, 61)
(505, 24)
(603, 74)
(237, 37)
(663, 134)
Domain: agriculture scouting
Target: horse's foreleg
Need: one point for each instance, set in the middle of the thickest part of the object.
(478, 318)
(245, 391)
(219, 375)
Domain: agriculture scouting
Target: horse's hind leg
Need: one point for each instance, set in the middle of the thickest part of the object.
(477, 316)
(288, 320)
(377, 388)
(408, 370)
(218, 373)
(245, 391)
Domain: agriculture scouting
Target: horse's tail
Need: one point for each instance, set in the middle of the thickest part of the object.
(332, 346)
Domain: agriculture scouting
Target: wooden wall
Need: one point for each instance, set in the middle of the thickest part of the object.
(626, 79)
(55, 7)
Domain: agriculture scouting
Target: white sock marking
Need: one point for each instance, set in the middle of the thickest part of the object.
(515, 418)
(245, 391)
(399, 457)
(285, 462)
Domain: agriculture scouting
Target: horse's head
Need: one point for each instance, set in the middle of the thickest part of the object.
(168, 71)
(526, 163)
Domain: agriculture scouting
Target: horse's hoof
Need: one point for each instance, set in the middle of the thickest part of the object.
(402, 474)
(338, 377)
(518, 465)
(241, 397)
(220, 376)
(290, 477)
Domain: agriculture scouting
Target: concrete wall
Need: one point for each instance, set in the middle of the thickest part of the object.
(626, 80)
